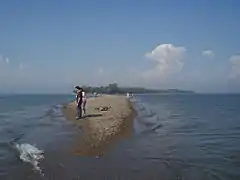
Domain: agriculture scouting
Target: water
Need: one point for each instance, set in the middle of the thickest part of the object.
(175, 137)
(27, 121)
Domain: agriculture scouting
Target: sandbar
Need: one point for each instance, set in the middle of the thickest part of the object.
(100, 128)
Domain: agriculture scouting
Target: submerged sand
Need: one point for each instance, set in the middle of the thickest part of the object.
(101, 128)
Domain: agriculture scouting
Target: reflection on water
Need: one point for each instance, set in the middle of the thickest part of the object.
(174, 137)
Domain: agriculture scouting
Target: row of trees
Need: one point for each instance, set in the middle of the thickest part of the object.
(110, 89)
(114, 89)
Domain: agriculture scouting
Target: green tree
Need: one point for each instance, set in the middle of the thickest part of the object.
(113, 88)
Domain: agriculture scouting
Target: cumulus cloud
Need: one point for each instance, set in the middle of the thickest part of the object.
(235, 66)
(208, 53)
(168, 59)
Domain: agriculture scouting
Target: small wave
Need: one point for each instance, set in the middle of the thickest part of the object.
(157, 126)
(53, 112)
(30, 154)
(147, 120)
(150, 114)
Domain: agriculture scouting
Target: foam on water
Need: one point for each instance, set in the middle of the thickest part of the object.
(30, 154)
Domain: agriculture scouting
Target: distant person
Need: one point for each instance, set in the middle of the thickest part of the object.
(84, 101)
(79, 101)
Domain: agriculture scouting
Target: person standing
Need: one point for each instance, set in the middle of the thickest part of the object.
(79, 100)
(84, 101)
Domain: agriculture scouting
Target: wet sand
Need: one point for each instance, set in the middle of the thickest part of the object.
(100, 129)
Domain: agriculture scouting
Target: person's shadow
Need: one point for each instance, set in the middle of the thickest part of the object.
(92, 115)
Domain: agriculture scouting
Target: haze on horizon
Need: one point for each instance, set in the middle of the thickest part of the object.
(50, 46)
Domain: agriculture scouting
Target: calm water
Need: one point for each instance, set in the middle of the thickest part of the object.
(177, 137)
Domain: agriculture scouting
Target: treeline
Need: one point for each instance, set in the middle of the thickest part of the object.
(114, 89)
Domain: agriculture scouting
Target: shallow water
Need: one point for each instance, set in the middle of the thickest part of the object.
(175, 137)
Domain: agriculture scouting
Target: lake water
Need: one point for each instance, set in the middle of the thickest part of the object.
(175, 137)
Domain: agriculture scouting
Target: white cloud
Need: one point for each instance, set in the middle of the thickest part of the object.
(169, 60)
(7, 60)
(100, 70)
(235, 63)
(208, 53)
(21, 66)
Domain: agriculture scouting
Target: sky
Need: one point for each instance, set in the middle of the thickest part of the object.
(52, 45)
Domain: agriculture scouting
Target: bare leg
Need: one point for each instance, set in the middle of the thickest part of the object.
(84, 107)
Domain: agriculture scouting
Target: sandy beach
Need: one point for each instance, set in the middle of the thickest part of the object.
(101, 128)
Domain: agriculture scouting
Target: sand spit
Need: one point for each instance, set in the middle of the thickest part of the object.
(101, 128)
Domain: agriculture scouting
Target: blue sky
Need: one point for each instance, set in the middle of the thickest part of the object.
(50, 45)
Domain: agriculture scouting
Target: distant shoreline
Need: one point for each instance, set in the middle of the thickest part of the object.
(115, 89)
(101, 128)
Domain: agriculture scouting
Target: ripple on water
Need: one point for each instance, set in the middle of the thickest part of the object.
(41, 125)
(174, 138)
